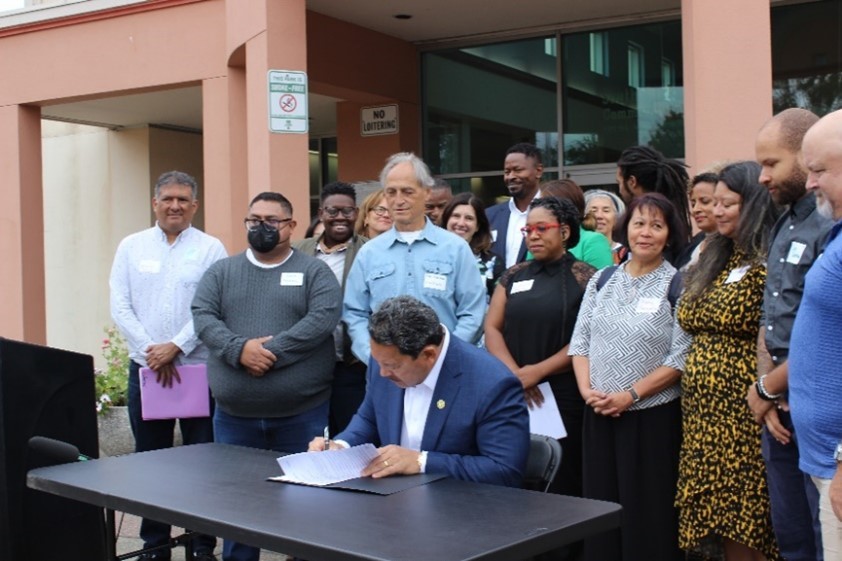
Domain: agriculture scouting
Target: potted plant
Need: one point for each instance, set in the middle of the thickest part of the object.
(112, 382)
(112, 396)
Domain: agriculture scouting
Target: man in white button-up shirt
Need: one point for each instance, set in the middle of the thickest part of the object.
(436, 404)
(153, 279)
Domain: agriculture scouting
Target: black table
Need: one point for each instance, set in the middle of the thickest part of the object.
(222, 490)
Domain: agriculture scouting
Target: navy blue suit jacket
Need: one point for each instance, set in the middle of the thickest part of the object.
(477, 428)
(498, 219)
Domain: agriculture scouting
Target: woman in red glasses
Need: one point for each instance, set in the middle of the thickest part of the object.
(531, 317)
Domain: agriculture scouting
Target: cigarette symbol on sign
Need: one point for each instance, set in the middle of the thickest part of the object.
(288, 103)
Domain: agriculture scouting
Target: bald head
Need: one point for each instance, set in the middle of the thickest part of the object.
(791, 125)
(778, 151)
(822, 155)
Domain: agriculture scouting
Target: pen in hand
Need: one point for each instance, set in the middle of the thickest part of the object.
(327, 439)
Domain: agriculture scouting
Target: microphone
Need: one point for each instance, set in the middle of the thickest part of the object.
(56, 450)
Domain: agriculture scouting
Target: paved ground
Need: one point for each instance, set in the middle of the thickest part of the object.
(128, 539)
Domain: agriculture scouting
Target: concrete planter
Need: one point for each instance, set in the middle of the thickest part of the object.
(115, 432)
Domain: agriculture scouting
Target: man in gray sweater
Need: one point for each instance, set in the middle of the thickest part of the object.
(267, 316)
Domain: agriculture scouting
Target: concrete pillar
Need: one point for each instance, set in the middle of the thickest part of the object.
(22, 293)
(225, 149)
(277, 162)
(242, 158)
(727, 77)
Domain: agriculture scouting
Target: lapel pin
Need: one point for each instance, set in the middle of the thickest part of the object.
(440, 404)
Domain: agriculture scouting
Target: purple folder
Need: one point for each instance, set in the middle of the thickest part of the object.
(188, 399)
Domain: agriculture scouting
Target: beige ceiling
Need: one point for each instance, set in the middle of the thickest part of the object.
(435, 20)
(432, 21)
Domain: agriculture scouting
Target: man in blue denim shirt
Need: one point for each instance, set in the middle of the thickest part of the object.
(414, 258)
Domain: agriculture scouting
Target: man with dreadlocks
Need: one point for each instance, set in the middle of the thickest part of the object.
(642, 169)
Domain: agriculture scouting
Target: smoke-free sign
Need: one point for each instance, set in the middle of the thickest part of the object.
(288, 101)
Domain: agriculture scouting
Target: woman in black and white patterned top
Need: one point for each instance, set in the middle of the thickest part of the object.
(628, 354)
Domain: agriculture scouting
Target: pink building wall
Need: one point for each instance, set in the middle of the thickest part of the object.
(227, 47)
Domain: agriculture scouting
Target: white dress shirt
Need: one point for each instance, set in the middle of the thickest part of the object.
(514, 237)
(152, 286)
(417, 400)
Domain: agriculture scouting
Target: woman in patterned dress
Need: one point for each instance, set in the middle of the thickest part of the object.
(628, 354)
(722, 479)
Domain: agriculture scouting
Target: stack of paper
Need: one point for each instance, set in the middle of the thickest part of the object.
(326, 468)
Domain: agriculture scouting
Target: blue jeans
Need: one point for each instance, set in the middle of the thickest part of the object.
(794, 498)
(281, 434)
(154, 435)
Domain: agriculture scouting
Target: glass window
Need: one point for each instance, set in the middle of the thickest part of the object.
(807, 56)
(633, 102)
(481, 100)
(599, 53)
(324, 167)
(635, 57)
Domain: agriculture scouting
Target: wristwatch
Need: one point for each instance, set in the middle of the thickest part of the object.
(838, 455)
(635, 397)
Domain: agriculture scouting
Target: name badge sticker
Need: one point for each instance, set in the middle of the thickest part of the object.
(522, 286)
(149, 266)
(648, 305)
(435, 281)
(796, 250)
(292, 279)
(493, 236)
(736, 275)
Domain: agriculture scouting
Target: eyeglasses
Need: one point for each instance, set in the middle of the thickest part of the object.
(274, 223)
(345, 211)
(380, 210)
(540, 228)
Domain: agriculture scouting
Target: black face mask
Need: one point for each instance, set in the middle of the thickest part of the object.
(263, 239)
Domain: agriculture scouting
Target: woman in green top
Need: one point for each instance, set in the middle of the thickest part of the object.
(593, 248)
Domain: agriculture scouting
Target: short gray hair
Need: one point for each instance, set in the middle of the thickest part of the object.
(422, 172)
(176, 178)
(405, 323)
(619, 205)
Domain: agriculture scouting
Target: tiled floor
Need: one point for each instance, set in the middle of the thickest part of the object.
(128, 539)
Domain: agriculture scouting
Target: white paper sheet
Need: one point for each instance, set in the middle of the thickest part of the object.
(546, 419)
(326, 468)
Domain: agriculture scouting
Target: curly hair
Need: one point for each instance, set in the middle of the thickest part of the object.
(564, 211)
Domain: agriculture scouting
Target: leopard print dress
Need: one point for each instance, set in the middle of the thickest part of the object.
(722, 478)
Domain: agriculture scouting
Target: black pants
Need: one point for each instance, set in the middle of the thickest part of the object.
(346, 395)
(633, 460)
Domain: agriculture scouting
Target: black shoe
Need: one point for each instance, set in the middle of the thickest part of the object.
(203, 556)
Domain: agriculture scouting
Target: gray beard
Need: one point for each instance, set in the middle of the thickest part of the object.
(823, 207)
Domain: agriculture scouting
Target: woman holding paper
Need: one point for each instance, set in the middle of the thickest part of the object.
(531, 317)
(628, 354)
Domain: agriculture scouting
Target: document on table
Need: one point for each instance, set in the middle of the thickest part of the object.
(546, 419)
(326, 468)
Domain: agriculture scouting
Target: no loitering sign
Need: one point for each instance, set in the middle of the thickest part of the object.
(287, 101)
(382, 119)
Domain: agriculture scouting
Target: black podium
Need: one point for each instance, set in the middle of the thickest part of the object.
(45, 392)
